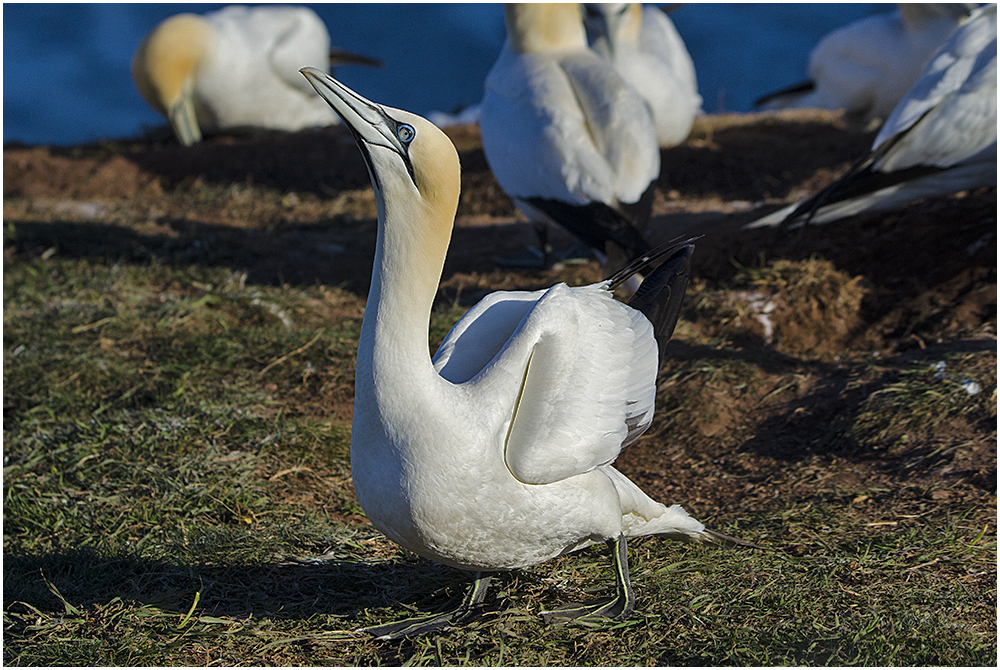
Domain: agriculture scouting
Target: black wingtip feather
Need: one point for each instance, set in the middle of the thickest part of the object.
(661, 293)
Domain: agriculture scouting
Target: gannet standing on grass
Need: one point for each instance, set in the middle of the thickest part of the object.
(866, 67)
(236, 69)
(648, 52)
(566, 136)
(496, 453)
(940, 139)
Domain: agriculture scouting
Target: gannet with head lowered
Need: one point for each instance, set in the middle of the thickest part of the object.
(646, 49)
(866, 67)
(496, 453)
(566, 136)
(236, 69)
(940, 139)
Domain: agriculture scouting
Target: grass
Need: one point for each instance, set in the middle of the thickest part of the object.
(177, 492)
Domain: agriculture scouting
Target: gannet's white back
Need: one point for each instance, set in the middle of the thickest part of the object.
(563, 131)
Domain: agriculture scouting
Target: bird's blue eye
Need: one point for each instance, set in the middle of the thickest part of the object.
(405, 133)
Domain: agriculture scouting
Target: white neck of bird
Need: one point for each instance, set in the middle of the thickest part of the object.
(409, 258)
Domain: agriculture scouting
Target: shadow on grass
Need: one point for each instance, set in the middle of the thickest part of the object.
(292, 590)
(707, 167)
(327, 160)
(331, 252)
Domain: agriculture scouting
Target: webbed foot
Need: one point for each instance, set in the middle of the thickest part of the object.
(617, 608)
(468, 610)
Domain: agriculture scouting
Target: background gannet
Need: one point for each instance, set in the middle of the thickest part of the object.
(866, 67)
(236, 68)
(496, 454)
(940, 139)
(648, 52)
(566, 136)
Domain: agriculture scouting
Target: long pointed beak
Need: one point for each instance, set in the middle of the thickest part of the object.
(183, 118)
(366, 119)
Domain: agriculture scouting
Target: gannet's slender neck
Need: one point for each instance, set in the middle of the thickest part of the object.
(413, 237)
(535, 27)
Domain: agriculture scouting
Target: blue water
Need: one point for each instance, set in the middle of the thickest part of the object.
(66, 67)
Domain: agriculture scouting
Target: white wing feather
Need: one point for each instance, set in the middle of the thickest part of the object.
(588, 388)
(950, 113)
(586, 365)
(482, 333)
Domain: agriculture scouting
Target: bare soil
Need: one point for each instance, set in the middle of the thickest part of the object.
(802, 328)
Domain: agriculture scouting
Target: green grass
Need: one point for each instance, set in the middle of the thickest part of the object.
(177, 492)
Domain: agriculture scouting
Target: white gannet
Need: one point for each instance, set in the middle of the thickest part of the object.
(866, 67)
(236, 69)
(647, 51)
(940, 139)
(496, 453)
(565, 135)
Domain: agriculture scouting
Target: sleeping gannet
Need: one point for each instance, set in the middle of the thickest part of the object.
(940, 139)
(866, 67)
(566, 136)
(650, 55)
(496, 453)
(235, 69)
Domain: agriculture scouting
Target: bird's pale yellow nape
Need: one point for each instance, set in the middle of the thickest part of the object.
(416, 173)
(438, 177)
(168, 57)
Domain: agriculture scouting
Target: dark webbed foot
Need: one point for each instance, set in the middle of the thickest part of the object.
(618, 607)
(468, 610)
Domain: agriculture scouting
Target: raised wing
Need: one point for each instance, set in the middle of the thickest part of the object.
(588, 385)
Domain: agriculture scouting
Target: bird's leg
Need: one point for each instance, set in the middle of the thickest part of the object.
(542, 231)
(618, 607)
(468, 610)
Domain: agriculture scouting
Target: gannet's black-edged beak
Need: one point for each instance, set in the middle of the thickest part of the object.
(367, 120)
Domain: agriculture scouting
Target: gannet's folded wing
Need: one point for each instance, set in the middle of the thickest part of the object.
(536, 136)
(940, 138)
(588, 385)
(619, 122)
(950, 113)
